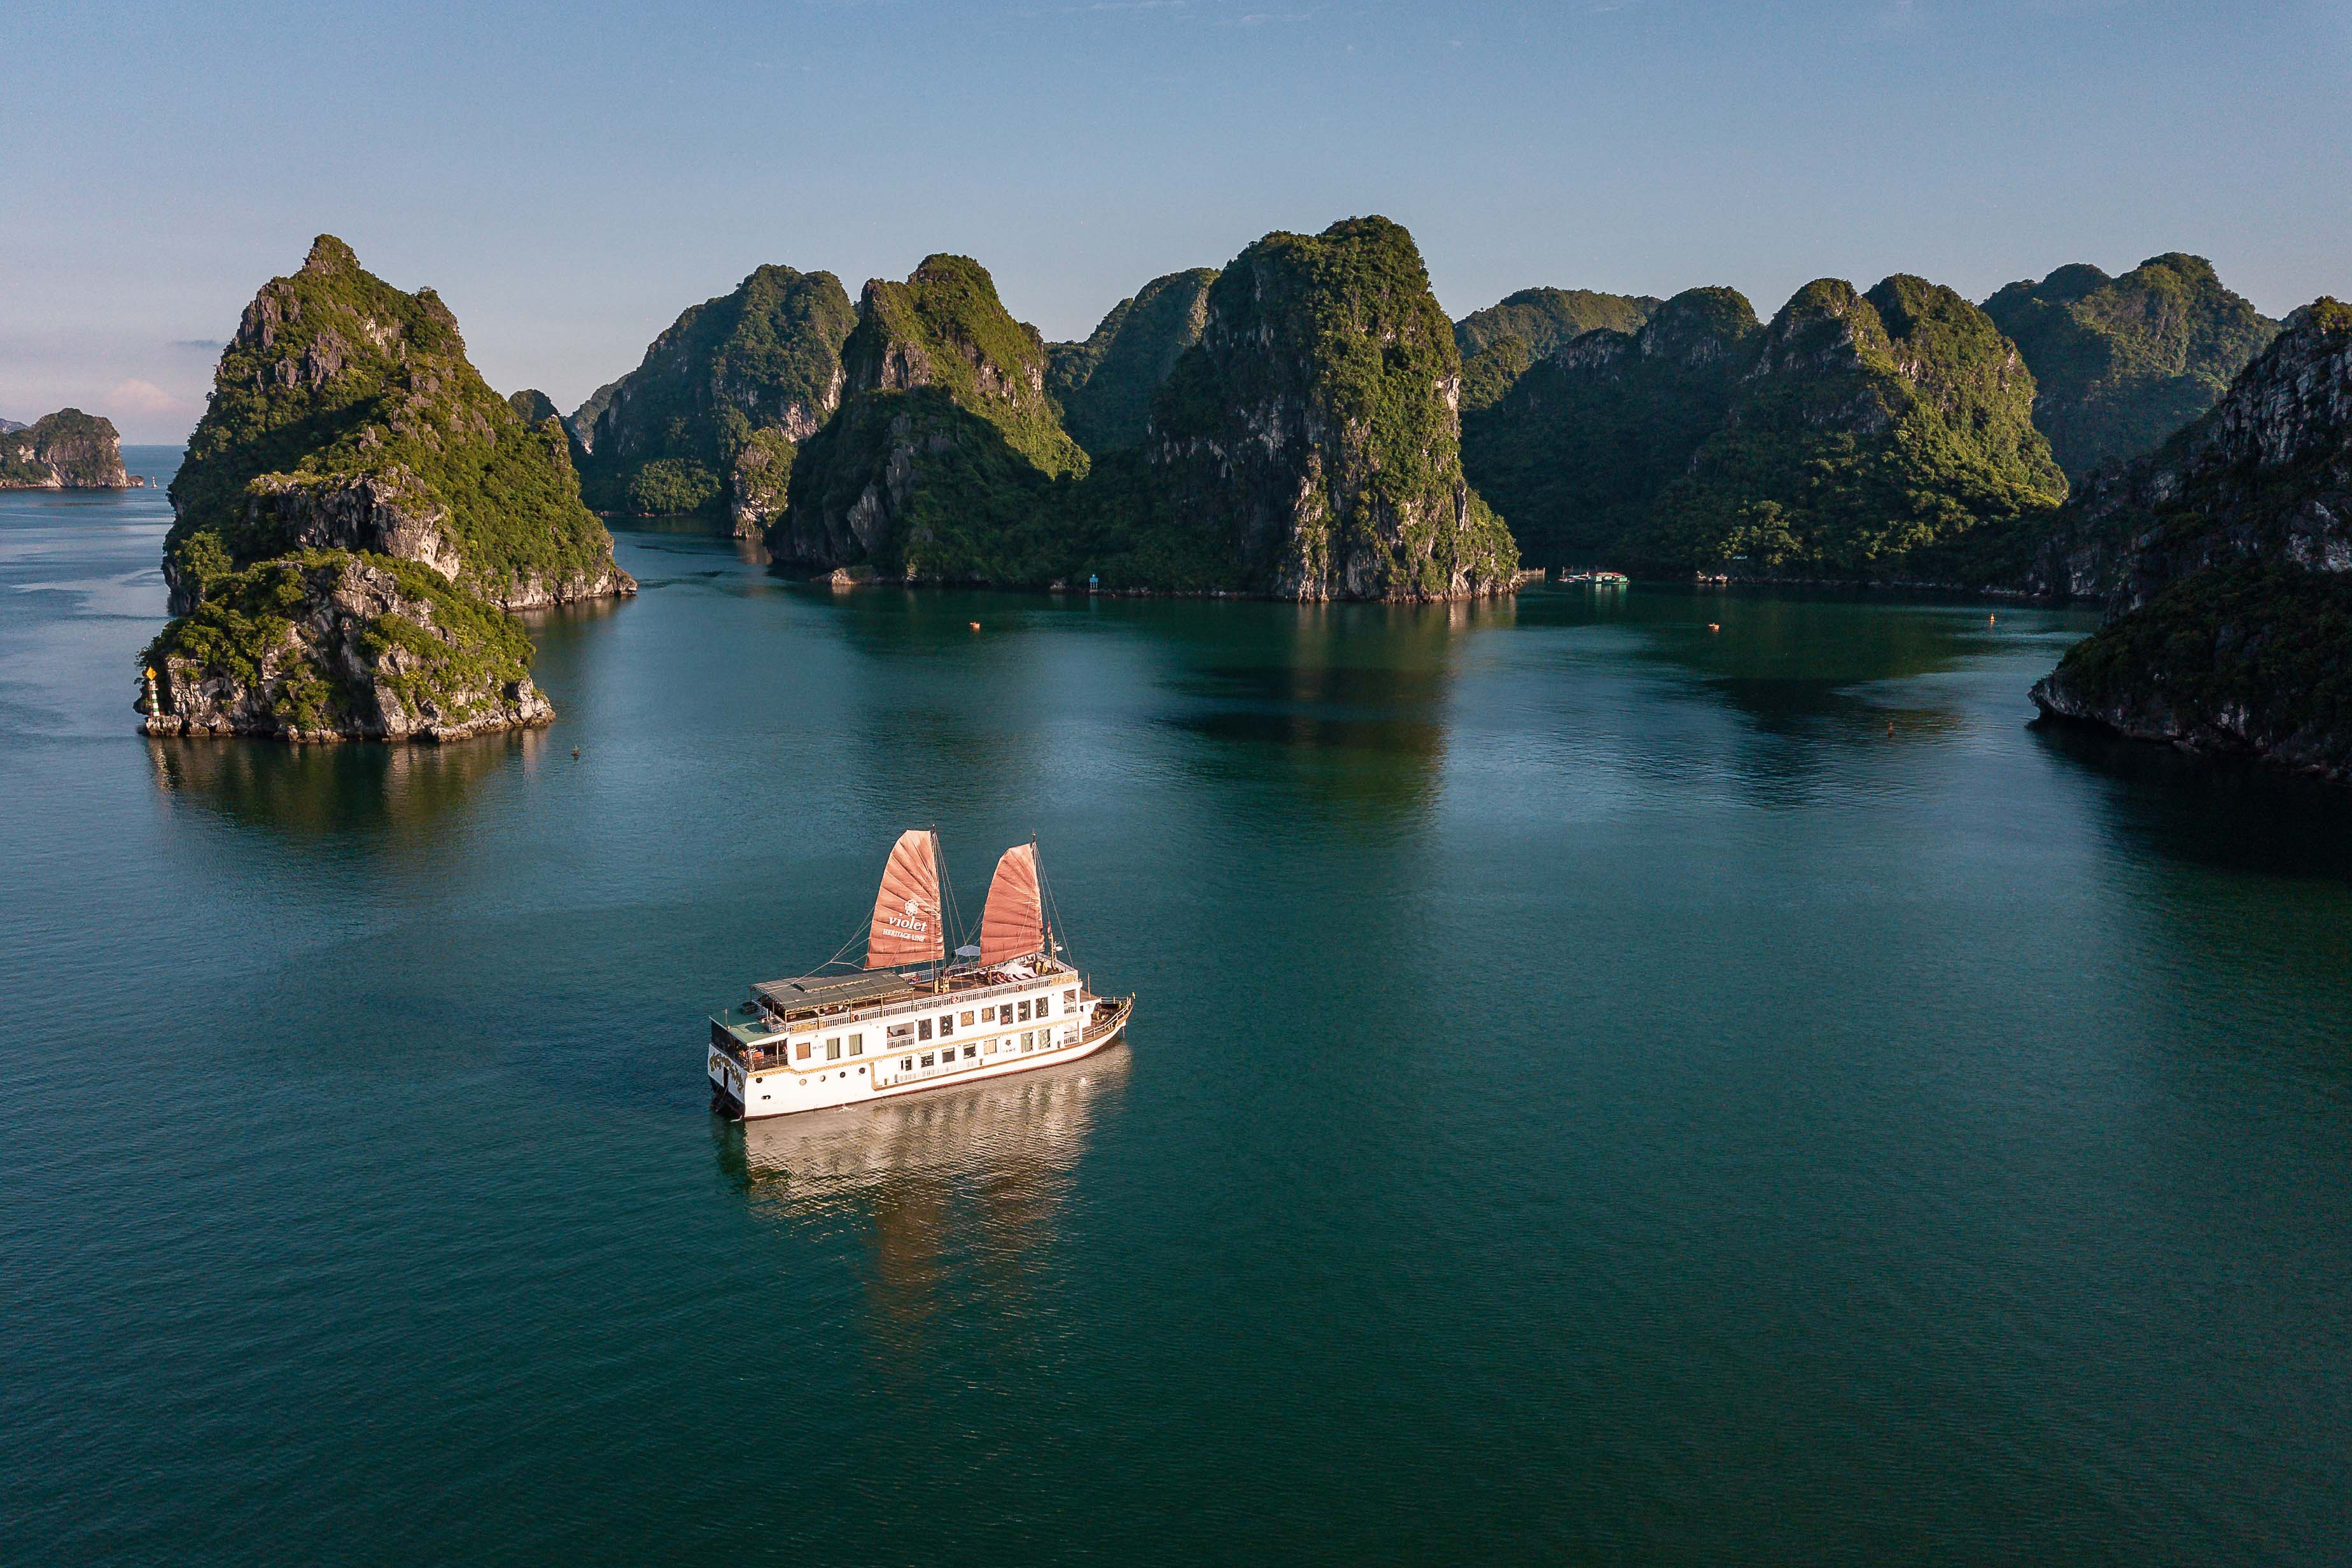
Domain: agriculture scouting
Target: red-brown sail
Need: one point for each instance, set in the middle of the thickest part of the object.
(1013, 923)
(907, 925)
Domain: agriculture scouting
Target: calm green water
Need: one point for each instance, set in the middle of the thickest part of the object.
(1598, 1096)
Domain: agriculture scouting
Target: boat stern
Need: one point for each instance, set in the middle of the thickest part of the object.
(724, 1068)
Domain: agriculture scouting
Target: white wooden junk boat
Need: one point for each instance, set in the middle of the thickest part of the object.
(911, 1020)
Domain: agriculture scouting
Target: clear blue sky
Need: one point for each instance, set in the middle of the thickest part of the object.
(571, 175)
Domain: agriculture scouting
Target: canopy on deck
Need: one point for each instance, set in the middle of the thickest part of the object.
(812, 991)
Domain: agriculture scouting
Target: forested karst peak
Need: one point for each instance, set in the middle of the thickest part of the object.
(2122, 362)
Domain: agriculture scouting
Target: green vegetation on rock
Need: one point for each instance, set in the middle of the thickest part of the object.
(1312, 439)
(355, 508)
(2253, 659)
(1500, 343)
(534, 407)
(944, 327)
(1869, 426)
(2229, 552)
(946, 442)
(1306, 446)
(1105, 385)
(2122, 362)
(66, 450)
(345, 413)
(919, 485)
(1852, 433)
(1575, 455)
(698, 427)
(322, 645)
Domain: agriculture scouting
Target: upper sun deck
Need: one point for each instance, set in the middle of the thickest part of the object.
(777, 1007)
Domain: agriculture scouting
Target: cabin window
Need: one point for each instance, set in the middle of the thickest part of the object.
(947, 1025)
(906, 1066)
(922, 1028)
(988, 1014)
(833, 1049)
(967, 1020)
(1028, 1038)
(1069, 1001)
(1025, 1010)
(857, 1046)
(805, 1045)
(970, 1052)
(928, 1061)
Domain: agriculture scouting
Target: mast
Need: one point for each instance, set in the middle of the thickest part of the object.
(939, 964)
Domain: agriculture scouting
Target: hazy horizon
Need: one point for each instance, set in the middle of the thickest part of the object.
(571, 178)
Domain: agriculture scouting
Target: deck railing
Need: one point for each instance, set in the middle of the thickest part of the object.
(955, 997)
(1117, 1015)
(769, 1051)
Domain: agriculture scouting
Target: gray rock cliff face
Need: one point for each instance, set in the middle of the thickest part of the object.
(344, 409)
(2227, 560)
(390, 512)
(393, 512)
(66, 450)
(1316, 424)
(709, 420)
(580, 423)
(943, 417)
(397, 687)
(2265, 475)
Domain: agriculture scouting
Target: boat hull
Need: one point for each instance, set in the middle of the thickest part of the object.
(782, 1091)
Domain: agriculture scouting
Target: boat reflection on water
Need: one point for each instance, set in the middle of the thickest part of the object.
(953, 1184)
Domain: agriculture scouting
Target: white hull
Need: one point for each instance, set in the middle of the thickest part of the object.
(754, 1094)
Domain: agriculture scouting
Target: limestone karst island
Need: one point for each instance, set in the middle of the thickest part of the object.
(359, 515)
(1176, 781)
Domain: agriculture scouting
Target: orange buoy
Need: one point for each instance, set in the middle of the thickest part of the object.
(975, 625)
(1713, 626)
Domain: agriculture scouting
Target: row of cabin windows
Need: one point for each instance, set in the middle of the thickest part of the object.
(920, 1029)
(832, 1047)
(1020, 1012)
(948, 1057)
(1030, 1040)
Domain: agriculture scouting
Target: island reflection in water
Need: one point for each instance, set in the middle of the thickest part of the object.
(344, 787)
(957, 1189)
(1343, 710)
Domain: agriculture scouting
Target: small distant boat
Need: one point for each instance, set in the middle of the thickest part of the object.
(912, 1020)
(1610, 579)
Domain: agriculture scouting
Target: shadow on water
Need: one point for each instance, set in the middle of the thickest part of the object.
(1348, 702)
(648, 531)
(310, 792)
(555, 629)
(1800, 663)
(956, 1192)
(2226, 813)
